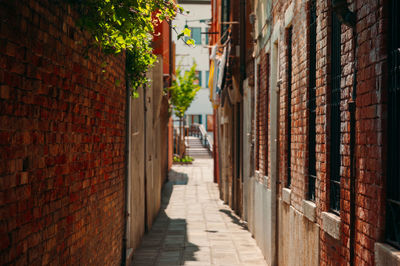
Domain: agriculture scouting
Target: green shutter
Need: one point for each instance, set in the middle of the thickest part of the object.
(207, 77)
(200, 78)
(196, 35)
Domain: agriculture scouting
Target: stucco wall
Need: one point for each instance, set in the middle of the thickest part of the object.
(147, 169)
(298, 238)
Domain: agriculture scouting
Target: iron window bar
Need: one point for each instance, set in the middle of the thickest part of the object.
(312, 101)
(335, 116)
(393, 175)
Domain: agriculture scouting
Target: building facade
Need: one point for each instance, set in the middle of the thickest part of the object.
(197, 20)
(311, 148)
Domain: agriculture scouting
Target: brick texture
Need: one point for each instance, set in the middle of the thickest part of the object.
(370, 127)
(62, 139)
(262, 115)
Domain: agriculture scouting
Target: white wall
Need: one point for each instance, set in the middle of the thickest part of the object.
(201, 103)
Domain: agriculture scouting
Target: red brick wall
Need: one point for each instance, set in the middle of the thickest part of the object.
(257, 120)
(262, 114)
(370, 165)
(370, 126)
(371, 114)
(298, 105)
(328, 246)
(62, 130)
(369, 212)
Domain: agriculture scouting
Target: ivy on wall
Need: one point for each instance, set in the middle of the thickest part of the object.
(127, 25)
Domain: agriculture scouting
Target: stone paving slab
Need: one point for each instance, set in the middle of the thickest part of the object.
(194, 227)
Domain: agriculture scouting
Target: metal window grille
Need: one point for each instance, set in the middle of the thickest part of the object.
(289, 103)
(266, 115)
(393, 174)
(311, 99)
(335, 116)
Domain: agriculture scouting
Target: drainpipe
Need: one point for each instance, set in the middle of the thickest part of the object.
(352, 110)
(349, 18)
(127, 112)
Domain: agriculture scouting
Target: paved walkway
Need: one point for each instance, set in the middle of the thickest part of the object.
(194, 227)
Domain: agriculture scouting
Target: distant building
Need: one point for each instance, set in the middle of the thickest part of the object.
(197, 21)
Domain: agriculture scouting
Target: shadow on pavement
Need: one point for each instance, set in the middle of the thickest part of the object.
(176, 178)
(167, 242)
(235, 219)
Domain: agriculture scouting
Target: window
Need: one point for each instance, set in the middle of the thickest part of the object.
(312, 33)
(266, 115)
(196, 35)
(207, 77)
(393, 174)
(207, 33)
(198, 77)
(289, 104)
(257, 159)
(335, 116)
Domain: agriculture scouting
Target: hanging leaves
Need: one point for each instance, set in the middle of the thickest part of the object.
(127, 25)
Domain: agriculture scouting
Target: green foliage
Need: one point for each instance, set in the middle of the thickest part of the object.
(183, 90)
(186, 159)
(126, 25)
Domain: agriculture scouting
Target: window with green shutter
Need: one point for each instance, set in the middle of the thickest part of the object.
(196, 35)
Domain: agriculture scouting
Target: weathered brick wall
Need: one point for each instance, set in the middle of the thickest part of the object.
(371, 31)
(262, 114)
(371, 57)
(298, 103)
(372, 80)
(328, 246)
(62, 128)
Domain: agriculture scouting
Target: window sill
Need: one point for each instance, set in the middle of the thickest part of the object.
(386, 255)
(286, 195)
(309, 209)
(331, 224)
(257, 174)
(262, 179)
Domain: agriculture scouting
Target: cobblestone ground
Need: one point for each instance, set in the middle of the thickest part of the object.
(194, 227)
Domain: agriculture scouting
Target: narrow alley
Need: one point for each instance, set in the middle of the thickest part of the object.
(199, 132)
(194, 227)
